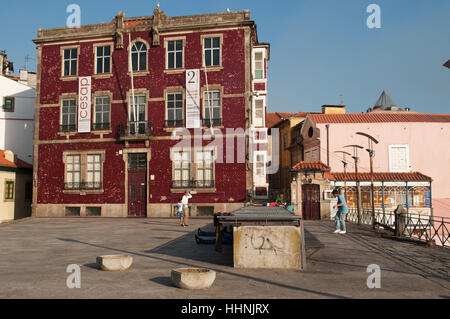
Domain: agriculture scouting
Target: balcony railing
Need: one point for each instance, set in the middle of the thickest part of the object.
(135, 130)
(67, 127)
(212, 122)
(174, 123)
(192, 184)
(101, 126)
(83, 186)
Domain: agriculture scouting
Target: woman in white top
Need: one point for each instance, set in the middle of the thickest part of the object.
(185, 202)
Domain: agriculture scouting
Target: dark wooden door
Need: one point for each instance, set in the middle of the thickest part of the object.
(137, 185)
(311, 202)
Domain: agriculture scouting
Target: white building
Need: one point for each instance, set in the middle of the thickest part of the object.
(16, 117)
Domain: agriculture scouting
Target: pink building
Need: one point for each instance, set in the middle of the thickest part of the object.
(408, 142)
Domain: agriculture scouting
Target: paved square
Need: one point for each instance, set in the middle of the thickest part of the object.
(34, 255)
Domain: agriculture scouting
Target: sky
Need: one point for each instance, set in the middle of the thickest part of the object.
(321, 50)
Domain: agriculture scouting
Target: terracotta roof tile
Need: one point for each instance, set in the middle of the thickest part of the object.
(317, 166)
(19, 163)
(379, 117)
(383, 176)
(273, 118)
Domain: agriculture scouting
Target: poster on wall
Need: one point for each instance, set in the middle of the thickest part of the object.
(193, 98)
(84, 104)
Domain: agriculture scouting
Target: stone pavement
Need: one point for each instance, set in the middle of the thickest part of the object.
(34, 255)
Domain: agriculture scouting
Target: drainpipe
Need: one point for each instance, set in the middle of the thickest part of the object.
(328, 144)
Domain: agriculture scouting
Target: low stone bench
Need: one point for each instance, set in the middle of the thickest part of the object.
(114, 262)
(193, 278)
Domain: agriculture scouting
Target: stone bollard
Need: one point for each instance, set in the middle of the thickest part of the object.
(114, 262)
(193, 278)
(400, 220)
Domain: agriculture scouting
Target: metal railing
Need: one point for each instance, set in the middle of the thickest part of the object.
(174, 123)
(135, 129)
(212, 122)
(416, 226)
(67, 127)
(192, 184)
(82, 185)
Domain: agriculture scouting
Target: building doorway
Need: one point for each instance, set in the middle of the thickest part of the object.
(311, 202)
(137, 185)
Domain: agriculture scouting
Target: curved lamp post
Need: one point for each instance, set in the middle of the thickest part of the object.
(358, 189)
(371, 152)
(345, 172)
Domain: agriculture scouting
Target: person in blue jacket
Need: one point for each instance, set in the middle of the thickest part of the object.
(339, 219)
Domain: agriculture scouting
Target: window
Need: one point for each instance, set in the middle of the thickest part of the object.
(212, 114)
(73, 172)
(182, 168)
(72, 211)
(70, 62)
(175, 54)
(8, 104)
(260, 165)
(9, 190)
(93, 211)
(174, 109)
(102, 109)
(137, 124)
(211, 47)
(139, 56)
(259, 65)
(259, 112)
(69, 112)
(137, 160)
(205, 168)
(399, 158)
(103, 54)
(94, 172)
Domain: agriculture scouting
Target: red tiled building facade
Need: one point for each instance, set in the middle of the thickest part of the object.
(126, 158)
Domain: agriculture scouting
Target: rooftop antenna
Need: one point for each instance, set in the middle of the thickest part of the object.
(342, 99)
(27, 58)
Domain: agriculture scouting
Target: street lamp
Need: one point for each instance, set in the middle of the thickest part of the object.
(358, 189)
(371, 151)
(345, 172)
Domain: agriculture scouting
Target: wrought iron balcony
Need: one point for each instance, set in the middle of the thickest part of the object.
(212, 122)
(83, 185)
(135, 130)
(174, 123)
(67, 127)
(193, 184)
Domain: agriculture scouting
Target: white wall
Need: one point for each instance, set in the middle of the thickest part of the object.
(17, 128)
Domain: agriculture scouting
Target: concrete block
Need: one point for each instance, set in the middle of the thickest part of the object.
(272, 247)
(193, 278)
(114, 262)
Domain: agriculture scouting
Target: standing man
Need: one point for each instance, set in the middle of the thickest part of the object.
(185, 202)
(340, 215)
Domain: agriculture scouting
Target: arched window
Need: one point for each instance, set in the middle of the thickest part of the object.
(139, 56)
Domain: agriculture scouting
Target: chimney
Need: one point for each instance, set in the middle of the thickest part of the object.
(2, 62)
(333, 109)
(9, 156)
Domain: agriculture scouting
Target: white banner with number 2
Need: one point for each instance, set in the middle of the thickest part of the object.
(193, 98)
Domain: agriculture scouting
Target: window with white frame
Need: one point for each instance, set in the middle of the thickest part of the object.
(259, 65)
(260, 164)
(259, 112)
(94, 171)
(174, 109)
(70, 62)
(205, 168)
(68, 115)
(103, 60)
(73, 172)
(137, 123)
(139, 56)
(399, 158)
(174, 54)
(211, 47)
(102, 112)
(181, 160)
(212, 112)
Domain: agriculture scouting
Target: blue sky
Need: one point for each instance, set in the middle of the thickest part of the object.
(319, 48)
